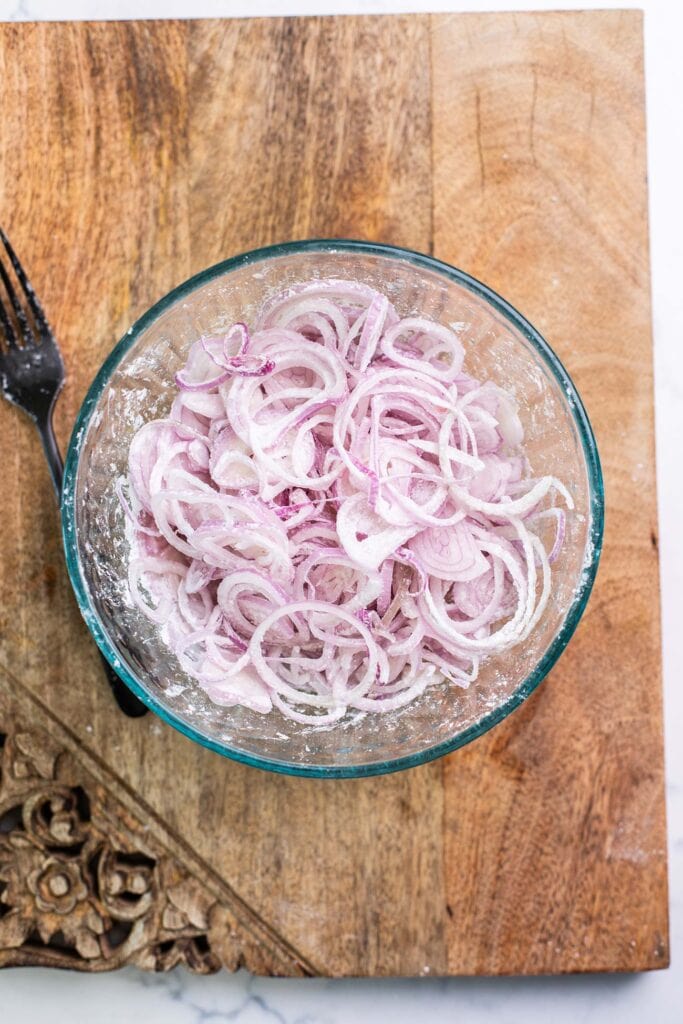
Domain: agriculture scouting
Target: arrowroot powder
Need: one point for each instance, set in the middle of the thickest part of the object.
(334, 515)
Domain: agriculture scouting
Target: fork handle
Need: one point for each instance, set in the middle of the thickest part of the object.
(125, 698)
(52, 452)
(127, 701)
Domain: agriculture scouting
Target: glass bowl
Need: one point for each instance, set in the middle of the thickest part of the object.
(136, 384)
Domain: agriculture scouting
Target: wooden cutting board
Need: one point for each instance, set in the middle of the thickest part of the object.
(513, 145)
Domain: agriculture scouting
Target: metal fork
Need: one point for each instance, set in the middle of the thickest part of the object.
(31, 376)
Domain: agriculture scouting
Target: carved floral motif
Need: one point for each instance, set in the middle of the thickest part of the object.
(82, 885)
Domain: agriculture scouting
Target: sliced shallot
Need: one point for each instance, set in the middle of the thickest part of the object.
(334, 515)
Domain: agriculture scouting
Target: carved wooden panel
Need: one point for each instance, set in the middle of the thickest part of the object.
(86, 884)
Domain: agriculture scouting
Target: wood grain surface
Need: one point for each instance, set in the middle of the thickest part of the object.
(513, 145)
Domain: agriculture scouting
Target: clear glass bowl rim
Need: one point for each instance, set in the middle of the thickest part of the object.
(503, 308)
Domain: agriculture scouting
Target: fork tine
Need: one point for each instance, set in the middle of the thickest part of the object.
(31, 297)
(24, 325)
(7, 328)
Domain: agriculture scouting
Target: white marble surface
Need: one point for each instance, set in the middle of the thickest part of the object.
(44, 996)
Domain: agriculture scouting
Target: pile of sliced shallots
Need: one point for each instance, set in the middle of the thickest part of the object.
(333, 515)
